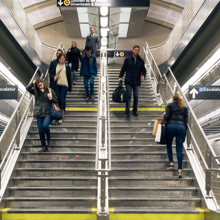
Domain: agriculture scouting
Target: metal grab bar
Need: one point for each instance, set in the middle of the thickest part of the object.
(103, 140)
(167, 86)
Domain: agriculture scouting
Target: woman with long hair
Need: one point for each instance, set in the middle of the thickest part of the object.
(63, 83)
(44, 97)
(177, 119)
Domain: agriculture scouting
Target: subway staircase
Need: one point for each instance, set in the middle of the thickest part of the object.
(63, 181)
(139, 182)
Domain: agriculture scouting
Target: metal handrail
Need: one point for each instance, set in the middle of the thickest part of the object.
(12, 145)
(13, 115)
(206, 161)
(103, 140)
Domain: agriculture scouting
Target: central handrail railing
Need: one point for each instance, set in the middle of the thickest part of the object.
(197, 142)
(14, 133)
(103, 140)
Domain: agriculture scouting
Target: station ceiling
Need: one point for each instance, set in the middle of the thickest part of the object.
(162, 12)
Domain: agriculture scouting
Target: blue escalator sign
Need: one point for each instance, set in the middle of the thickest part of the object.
(105, 3)
(8, 92)
(204, 92)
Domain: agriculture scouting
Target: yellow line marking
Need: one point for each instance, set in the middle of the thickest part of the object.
(111, 210)
(200, 210)
(81, 109)
(94, 211)
(5, 211)
(163, 108)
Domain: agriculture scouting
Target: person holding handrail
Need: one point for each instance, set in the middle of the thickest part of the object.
(44, 97)
(177, 120)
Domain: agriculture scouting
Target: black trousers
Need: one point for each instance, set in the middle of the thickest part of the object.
(129, 89)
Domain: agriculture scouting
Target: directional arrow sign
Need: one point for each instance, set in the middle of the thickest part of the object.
(204, 92)
(60, 2)
(117, 54)
(194, 92)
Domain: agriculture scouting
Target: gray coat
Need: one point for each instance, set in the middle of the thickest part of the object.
(93, 42)
(42, 103)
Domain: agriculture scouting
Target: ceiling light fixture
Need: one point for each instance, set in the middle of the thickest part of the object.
(104, 41)
(104, 21)
(104, 11)
(104, 32)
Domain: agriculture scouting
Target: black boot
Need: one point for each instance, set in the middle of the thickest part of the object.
(43, 149)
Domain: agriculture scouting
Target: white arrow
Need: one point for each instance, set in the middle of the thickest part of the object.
(194, 92)
(117, 54)
(60, 3)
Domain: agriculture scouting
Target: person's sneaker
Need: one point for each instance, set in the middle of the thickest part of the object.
(170, 167)
(59, 122)
(54, 122)
(74, 82)
(180, 174)
(87, 99)
(135, 113)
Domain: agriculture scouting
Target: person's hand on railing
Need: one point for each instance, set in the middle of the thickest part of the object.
(120, 79)
(55, 78)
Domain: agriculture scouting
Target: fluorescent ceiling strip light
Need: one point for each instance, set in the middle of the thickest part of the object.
(11, 78)
(104, 11)
(123, 30)
(202, 71)
(83, 15)
(84, 28)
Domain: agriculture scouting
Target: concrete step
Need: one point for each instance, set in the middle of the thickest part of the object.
(156, 202)
(55, 181)
(51, 202)
(56, 172)
(47, 192)
(152, 192)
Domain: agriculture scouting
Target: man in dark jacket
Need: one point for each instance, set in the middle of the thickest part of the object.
(135, 73)
(88, 71)
(73, 57)
(53, 66)
(93, 41)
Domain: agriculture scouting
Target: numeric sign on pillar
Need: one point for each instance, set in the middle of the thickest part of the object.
(204, 92)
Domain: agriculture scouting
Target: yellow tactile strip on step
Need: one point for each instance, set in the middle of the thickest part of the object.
(163, 108)
(112, 216)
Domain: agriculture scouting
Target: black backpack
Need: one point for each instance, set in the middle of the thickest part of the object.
(119, 95)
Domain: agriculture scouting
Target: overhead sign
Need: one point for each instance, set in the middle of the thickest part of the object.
(103, 3)
(8, 92)
(204, 92)
(124, 53)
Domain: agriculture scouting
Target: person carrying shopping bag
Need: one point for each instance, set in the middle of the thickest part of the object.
(44, 98)
(177, 120)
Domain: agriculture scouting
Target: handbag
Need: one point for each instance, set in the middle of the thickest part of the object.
(156, 123)
(54, 83)
(161, 133)
(55, 111)
(119, 95)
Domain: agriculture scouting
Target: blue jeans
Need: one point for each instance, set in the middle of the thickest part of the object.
(61, 93)
(43, 127)
(86, 85)
(129, 89)
(74, 71)
(178, 131)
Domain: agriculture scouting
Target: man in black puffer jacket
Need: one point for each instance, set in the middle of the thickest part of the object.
(135, 73)
(73, 57)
